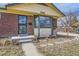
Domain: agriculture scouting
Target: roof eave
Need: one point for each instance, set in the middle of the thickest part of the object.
(58, 10)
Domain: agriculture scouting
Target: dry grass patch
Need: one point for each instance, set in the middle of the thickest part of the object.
(9, 48)
(58, 47)
(11, 51)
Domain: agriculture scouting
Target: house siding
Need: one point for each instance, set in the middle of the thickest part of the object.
(30, 25)
(8, 25)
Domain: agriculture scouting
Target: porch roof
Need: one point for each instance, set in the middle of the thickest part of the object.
(10, 8)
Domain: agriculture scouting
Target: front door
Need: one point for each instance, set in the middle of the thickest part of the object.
(22, 24)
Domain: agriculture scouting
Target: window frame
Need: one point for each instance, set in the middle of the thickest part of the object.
(42, 16)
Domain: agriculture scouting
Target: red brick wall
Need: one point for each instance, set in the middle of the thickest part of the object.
(54, 24)
(30, 25)
(8, 25)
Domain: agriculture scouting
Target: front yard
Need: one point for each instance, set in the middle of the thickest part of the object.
(61, 46)
(58, 46)
(9, 49)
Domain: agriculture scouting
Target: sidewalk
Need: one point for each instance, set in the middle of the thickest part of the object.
(30, 50)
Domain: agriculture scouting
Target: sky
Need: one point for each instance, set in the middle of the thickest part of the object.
(2, 4)
(68, 7)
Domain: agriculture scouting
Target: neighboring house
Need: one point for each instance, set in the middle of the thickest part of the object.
(29, 18)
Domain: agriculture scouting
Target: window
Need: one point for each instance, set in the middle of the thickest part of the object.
(22, 24)
(22, 19)
(43, 22)
(22, 29)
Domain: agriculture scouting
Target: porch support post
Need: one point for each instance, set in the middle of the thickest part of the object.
(39, 27)
(51, 26)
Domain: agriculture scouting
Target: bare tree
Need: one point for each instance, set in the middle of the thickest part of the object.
(68, 21)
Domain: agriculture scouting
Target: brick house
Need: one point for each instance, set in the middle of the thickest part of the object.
(28, 18)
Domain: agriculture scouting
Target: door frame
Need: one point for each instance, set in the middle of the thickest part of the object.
(22, 24)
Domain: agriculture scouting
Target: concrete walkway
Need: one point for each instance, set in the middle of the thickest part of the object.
(30, 49)
(68, 34)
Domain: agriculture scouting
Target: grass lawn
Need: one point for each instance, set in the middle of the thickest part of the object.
(11, 51)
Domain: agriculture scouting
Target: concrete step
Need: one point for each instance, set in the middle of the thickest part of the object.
(23, 37)
(25, 40)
